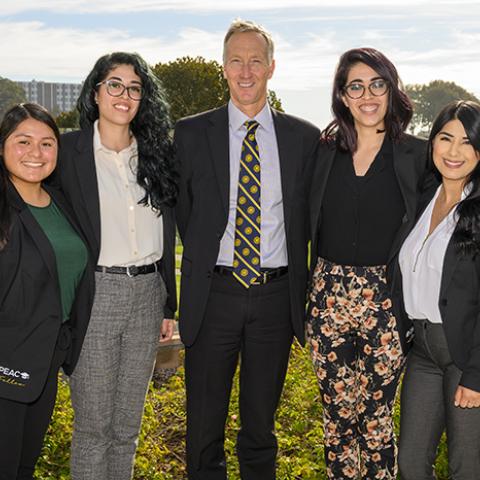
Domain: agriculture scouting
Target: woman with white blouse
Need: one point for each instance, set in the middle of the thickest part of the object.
(117, 171)
(440, 277)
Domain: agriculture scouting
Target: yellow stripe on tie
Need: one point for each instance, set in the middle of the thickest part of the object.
(249, 220)
(256, 272)
(247, 242)
(241, 280)
(252, 175)
(255, 154)
(240, 186)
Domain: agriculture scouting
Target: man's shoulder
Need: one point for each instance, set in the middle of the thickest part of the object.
(297, 122)
(200, 120)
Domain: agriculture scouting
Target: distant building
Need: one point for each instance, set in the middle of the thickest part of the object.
(55, 97)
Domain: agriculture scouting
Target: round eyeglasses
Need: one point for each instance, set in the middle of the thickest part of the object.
(116, 89)
(356, 90)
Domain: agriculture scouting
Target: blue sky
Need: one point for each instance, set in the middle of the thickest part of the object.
(427, 40)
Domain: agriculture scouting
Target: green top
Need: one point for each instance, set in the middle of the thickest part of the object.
(70, 251)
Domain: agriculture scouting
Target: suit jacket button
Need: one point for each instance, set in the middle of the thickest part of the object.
(443, 302)
(209, 274)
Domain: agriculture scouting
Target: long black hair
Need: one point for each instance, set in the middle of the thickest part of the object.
(466, 237)
(151, 127)
(399, 111)
(12, 118)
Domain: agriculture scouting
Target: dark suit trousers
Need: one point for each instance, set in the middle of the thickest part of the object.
(427, 409)
(253, 325)
(23, 425)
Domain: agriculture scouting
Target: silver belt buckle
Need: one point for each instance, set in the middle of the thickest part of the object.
(132, 271)
(261, 279)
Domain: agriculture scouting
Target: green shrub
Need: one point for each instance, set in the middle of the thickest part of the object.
(161, 448)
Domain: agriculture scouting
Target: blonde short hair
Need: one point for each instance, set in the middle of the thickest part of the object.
(245, 26)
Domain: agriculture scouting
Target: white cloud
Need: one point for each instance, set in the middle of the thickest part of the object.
(68, 54)
(302, 63)
(435, 47)
(113, 6)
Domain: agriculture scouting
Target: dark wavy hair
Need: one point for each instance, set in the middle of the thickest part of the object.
(11, 120)
(151, 127)
(399, 111)
(466, 237)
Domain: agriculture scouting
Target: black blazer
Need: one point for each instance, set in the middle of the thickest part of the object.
(202, 143)
(409, 163)
(459, 304)
(30, 305)
(77, 177)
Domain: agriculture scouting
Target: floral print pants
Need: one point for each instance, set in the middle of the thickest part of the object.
(358, 359)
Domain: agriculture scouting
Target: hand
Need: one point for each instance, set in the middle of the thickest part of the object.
(466, 398)
(166, 332)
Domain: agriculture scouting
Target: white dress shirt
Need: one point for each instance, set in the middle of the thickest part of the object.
(421, 261)
(131, 234)
(273, 243)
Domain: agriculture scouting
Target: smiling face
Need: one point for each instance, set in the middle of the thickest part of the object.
(368, 111)
(453, 154)
(247, 71)
(120, 110)
(30, 153)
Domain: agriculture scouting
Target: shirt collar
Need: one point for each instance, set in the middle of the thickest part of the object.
(131, 150)
(237, 118)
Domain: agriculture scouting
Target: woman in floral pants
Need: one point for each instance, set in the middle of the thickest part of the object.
(363, 198)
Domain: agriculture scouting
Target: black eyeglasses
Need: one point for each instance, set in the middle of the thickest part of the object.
(356, 90)
(116, 89)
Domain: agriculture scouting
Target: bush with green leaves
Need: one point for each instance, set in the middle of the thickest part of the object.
(161, 450)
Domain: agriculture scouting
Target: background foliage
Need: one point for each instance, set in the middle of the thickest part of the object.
(430, 98)
(10, 94)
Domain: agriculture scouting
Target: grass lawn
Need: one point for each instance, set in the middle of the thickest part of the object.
(161, 449)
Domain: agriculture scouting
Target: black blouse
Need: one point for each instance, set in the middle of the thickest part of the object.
(360, 214)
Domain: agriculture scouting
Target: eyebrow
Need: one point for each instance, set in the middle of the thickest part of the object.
(359, 80)
(31, 136)
(121, 80)
(442, 132)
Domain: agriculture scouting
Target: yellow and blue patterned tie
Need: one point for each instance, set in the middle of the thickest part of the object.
(246, 261)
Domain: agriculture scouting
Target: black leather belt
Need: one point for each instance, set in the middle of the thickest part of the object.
(267, 274)
(132, 270)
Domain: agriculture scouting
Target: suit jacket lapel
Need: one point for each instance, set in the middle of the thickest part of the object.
(322, 171)
(35, 231)
(66, 209)
(449, 263)
(407, 180)
(84, 163)
(218, 139)
(289, 142)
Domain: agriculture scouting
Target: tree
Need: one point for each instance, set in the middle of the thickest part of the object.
(274, 101)
(68, 119)
(10, 94)
(430, 99)
(193, 85)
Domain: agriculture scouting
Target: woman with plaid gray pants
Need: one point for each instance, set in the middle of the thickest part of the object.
(117, 172)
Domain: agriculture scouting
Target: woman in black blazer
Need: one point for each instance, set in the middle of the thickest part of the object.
(117, 171)
(46, 287)
(440, 277)
(363, 199)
